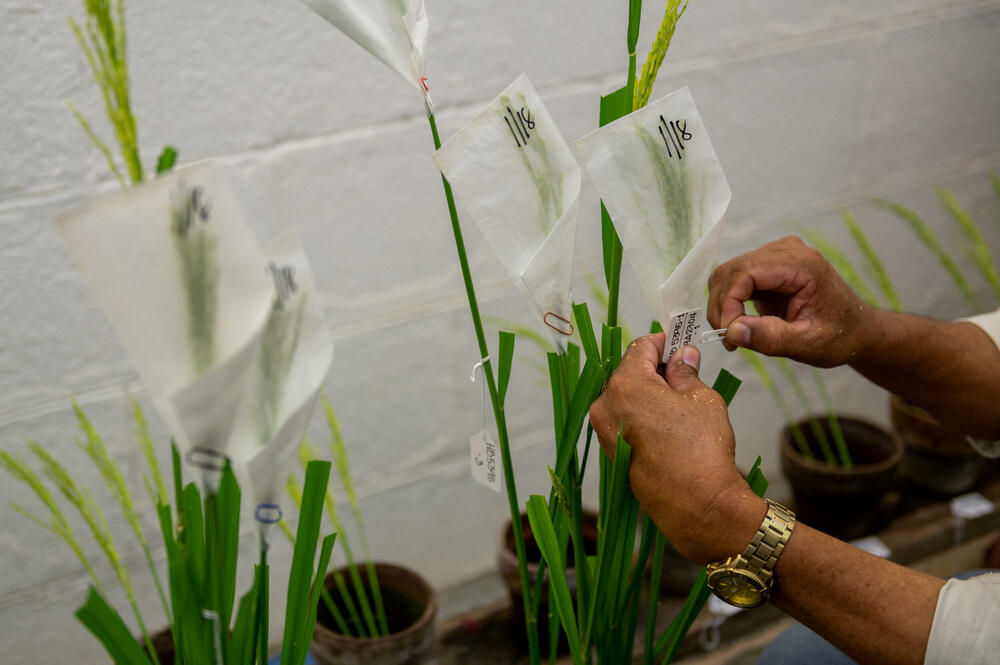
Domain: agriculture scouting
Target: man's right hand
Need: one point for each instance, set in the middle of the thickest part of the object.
(806, 310)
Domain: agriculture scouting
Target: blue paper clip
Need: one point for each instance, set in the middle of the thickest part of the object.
(268, 513)
(713, 335)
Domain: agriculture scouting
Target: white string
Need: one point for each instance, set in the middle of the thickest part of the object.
(476, 370)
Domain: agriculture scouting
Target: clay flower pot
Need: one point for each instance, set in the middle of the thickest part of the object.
(410, 606)
(937, 458)
(846, 504)
(507, 562)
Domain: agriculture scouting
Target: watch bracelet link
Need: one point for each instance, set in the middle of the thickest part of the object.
(762, 553)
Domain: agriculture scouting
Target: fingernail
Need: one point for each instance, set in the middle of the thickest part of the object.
(739, 333)
(691, 357)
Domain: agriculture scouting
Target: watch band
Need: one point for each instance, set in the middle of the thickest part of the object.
(762, 553)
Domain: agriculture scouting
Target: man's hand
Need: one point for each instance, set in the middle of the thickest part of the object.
(683, 470)
(807, 312)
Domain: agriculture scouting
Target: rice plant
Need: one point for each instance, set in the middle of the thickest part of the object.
(362, 619)
(873, 264)
(930, 240)
(102, 38)
(977, 251)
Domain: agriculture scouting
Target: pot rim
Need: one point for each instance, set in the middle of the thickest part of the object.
(426, 616)
(789, 451)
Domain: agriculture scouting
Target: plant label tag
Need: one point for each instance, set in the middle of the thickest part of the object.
(873, 545)
(483, 460)
(682, 331)
(971, 506)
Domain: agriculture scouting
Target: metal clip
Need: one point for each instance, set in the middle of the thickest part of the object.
(558, 326)
(267, 513)
(206, 458)
(713, 335)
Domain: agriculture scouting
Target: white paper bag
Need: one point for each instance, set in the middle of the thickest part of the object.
(394, 31)
(180, 276)
(292, 358)
(663, 186)
(512, 171)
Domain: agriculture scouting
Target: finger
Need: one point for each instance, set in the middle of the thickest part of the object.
(769, 335)
(642, 357)
(682, 370)
(604, 428)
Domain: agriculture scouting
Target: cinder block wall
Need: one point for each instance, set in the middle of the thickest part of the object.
(812, 106)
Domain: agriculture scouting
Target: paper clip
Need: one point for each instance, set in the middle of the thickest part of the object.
(713, 335)
(268, 513)
(556, 326)
(206, 458)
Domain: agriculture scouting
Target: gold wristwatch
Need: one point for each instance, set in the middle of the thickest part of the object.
(744, 580)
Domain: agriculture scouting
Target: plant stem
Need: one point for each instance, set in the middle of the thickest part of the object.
(498, 411)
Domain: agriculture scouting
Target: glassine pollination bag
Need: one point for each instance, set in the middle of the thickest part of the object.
(174, 267)
(661, 182)
(512, 171)
(394, 31)
(292, 358)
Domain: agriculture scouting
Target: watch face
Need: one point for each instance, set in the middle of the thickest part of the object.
(738, 587)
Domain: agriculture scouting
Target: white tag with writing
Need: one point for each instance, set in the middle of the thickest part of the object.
(873, 545)
(971, 506)
(682, 331)
(484, 461)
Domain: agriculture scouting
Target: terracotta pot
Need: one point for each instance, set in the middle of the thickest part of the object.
(410, 606)
(937, 458)
(851, 503)
(507, 561)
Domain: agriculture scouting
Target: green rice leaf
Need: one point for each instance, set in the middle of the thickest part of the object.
(930, 239)
(166, 160)
(726, 385)
(585, 328)
(548, 544)
(838, 435)
(303, 558)
(978, 250)
(104, 622)
(818, 433)
(875, 267)
(505, 362)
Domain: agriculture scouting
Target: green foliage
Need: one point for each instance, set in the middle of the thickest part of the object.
(873, 263)
(362, 619)
(102, 38)
(976, 250)
(658, 50)
(930, 239)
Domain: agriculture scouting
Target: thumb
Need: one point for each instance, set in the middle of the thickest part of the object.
(769, 335)
(682, 370)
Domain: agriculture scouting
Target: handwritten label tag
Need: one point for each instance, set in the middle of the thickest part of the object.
(873, 545)
(483, 460)
(682, 331)
(971, 506)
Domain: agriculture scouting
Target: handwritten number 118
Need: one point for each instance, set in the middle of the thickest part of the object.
(519, 123)
(674, 134)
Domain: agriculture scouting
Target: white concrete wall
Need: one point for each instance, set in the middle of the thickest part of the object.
(812, 106)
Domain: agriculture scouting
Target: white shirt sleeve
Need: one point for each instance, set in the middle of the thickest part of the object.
(990, 322)
(966, 628)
